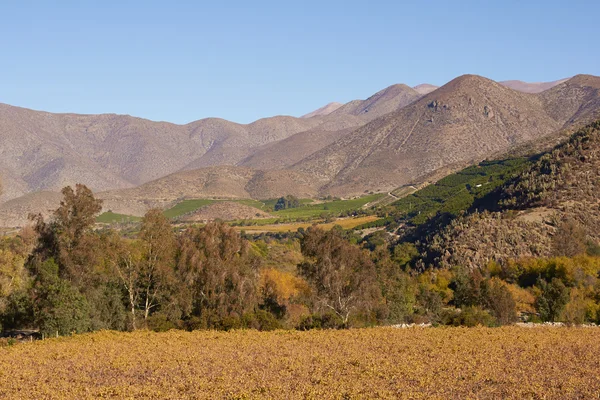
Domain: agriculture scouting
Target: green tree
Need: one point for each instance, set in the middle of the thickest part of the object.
(286, 202)
(68, 237)
(552, 299)
(58, 307)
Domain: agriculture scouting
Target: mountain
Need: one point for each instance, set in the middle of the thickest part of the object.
(576, 101)
(45, 151)
(393, 138)
(464, 121)
(527, 87)
(325, 110)
(425, 88)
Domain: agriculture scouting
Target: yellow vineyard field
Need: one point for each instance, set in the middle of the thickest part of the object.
(346, 223)
(434, 363)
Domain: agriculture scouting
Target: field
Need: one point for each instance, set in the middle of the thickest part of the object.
(111, 217)
(328, 207)
(306, 210)
(432, 363)
(346, 223)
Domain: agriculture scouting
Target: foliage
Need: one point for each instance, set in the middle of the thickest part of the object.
(286, 202)
(340, 273)
(553, 298)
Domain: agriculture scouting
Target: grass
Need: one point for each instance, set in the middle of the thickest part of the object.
(307, 210)
(346, 223)
(111, 217)
(385, 363)
(186, 206)
(328, 207)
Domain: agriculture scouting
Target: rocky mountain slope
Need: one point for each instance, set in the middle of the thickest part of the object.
(529, 212)
(464, 121)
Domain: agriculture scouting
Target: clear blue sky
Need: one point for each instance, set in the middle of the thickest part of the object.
(179, 61)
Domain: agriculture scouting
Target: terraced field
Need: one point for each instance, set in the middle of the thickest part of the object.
(308, 209)
(346, 223)
(385, 363)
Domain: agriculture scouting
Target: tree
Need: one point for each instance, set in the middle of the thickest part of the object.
(146, 267)
(467, 287)
(58, 307)
(68, 237)
(498, 298)
(158, 259)
(286, 202)
(219, 274)
(552, 299)
(341, 274)
(396, 287)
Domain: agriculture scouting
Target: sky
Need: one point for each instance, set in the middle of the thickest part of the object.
(181, 61)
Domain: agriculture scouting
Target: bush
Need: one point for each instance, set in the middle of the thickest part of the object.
(469, 316)
(320, 321)
(261, 320)
(160, 323)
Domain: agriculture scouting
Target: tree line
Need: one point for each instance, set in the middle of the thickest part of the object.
(63, 275)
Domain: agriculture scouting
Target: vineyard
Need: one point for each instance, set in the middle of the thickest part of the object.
(442, 363)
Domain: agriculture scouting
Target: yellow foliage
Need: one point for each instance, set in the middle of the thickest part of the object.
(523, 298)
(12, 272)
(283, 285)
(438, 280)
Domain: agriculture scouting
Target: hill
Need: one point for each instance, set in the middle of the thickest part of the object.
(528, 87)
(223, 182)
(325, 110)
(463, 121)
(226, 211)
(396, 137)
(551, 204)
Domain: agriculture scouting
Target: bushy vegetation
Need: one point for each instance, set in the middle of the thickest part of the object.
(286, 202)
(64, 276)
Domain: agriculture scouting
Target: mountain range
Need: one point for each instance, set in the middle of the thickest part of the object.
(394, 137)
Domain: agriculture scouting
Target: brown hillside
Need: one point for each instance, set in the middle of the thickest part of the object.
(226, 211)
(44, 151)
(325, 110)
(575, 101)
(224, 182)
(15, 212)
(528, 87)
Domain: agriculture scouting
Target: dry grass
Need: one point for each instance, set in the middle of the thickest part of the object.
(438, 363)
(346, 223)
